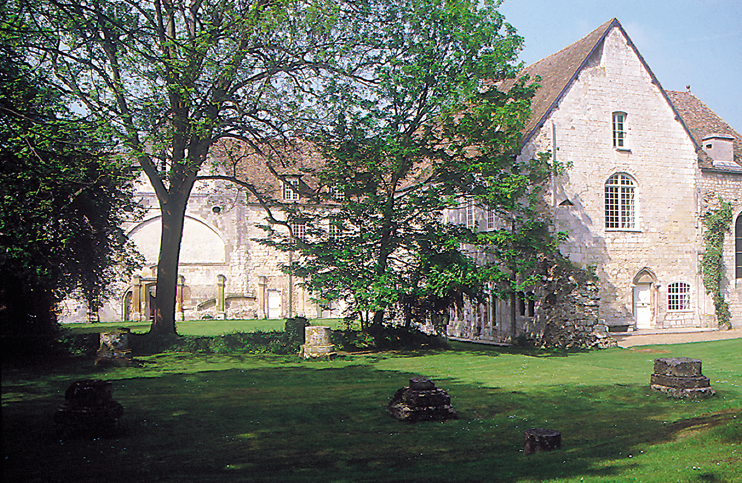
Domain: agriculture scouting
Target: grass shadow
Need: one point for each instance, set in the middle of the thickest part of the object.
(224, 419)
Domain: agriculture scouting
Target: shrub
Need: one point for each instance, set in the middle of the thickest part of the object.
(392, 338)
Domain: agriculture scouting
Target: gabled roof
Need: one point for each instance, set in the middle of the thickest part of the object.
(557, 72)
(701, 121)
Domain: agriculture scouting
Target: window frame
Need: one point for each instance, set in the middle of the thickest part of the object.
(470, 215)
(299, 230)
(291, 189)
(619, 131)
(333, 230)
(678, 297)
(619, 203)
(490, 220)
(337, 194)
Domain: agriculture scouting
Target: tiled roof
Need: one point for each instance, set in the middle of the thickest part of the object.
(701, 122)
(557, 72)
(266, 171)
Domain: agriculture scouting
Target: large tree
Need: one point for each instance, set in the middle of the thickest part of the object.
(63, 201)
(171, 78)
(432, 131)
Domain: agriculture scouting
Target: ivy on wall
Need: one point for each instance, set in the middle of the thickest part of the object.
(716, 223)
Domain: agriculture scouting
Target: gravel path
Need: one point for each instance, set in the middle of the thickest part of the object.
(630, 339)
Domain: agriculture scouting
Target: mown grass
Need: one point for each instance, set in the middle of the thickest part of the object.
(201, 327)
(225, 418)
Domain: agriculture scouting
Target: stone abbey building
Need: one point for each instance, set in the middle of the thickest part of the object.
(646, 164)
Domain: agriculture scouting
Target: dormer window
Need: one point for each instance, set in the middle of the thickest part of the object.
(619, 130)
(720, 148)
(291, 189)
(337, 193)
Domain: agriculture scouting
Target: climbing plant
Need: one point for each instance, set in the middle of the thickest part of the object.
(716, 223)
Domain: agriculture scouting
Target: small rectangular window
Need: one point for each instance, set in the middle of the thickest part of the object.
(337, 193)
(619, 130)
(291, 189)
(490, 220)
(299, 230)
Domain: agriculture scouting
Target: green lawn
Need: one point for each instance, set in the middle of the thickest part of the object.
(219, 418)
(201, 327)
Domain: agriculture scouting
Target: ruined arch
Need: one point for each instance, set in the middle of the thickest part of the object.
(201, 242)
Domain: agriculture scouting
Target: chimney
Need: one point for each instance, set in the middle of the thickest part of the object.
(720, 149)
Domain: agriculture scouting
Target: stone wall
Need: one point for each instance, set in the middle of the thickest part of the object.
(728, 187)
(666, 239)
(225, 272)
(568, 310)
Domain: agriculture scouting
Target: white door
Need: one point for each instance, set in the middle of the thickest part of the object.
(274, 304)
(643, 306)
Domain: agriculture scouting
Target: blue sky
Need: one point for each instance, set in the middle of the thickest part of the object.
(685, 42)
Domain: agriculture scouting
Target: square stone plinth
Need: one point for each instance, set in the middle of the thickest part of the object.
(677, 366)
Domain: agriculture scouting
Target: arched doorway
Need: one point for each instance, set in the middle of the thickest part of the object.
(644, 287)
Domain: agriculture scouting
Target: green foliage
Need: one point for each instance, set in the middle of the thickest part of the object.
(168, 80)
(429, 132)
(258, 342)
(716, 224)
(63, 202)
(294, 332)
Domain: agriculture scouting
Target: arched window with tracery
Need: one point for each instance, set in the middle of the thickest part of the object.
(620, 204)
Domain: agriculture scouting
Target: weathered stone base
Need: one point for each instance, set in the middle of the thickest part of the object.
(318, 343)
(88, 411)
(680, 377)
(421, 401)
(114, 349)
(316, 352)
(537, 440)
(681, 393)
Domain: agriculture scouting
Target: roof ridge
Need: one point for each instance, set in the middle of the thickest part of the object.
(566, 64)
(573, 44)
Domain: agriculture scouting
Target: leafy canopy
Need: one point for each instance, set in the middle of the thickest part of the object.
(63, 199)
(427, 131)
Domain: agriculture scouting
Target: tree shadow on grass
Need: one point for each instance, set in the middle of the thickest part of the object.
(318, 423)
(494, 350)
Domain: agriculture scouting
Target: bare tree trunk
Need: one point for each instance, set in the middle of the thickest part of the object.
(173, 216)
(513, 306)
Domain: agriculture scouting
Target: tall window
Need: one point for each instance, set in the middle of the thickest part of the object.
(291, 189)
(738, 245)
(619, 202)
(619, 129)
(490, 220)
(678, 296)
(470, 220)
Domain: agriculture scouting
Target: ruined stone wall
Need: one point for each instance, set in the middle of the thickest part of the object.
(568, 311)
(225, 272)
